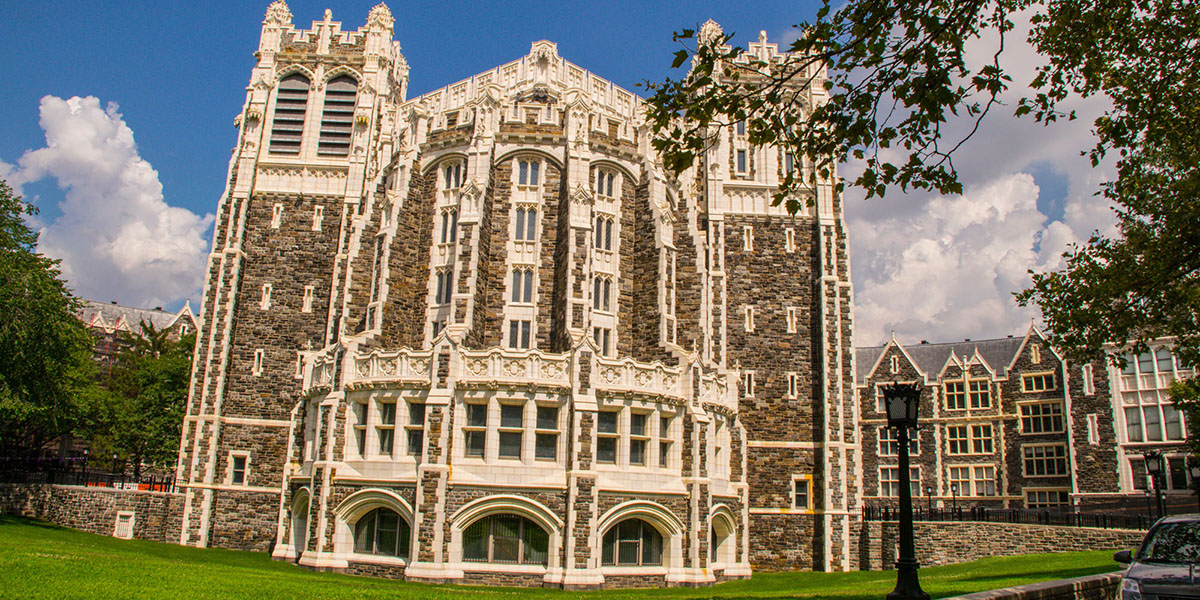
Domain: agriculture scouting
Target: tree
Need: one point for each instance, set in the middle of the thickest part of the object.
(140, 414)
(45, 350)
(899, 72)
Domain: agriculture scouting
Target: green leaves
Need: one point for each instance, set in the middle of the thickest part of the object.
(45, 351)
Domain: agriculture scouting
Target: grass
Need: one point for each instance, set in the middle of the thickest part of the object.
(39, 560)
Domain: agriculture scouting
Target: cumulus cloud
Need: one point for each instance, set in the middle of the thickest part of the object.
(118, 239)
(945, 267)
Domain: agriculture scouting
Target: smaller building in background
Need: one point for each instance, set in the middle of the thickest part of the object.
(1009, 423)
(109, 322)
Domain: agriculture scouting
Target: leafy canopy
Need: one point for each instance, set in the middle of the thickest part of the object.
(899, 71)
(45, 350)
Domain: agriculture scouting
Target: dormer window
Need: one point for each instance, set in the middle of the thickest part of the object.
(291, 104)
(337, 118)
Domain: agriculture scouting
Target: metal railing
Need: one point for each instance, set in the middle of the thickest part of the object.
(1015, 515)
(75, 472)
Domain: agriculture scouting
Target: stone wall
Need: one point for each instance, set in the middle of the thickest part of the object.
(1106, 586)
(156, 514)
(874, 544)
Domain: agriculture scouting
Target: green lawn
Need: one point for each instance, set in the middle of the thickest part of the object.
(38, 560)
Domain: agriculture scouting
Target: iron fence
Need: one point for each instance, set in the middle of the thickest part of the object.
(69, 471)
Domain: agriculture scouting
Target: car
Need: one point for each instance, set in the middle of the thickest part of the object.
(1167, 565)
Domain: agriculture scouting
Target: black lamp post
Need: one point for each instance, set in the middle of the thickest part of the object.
(1154, 466)
(954, 496)
(1194, 471)
(901, 402)
(929, 498)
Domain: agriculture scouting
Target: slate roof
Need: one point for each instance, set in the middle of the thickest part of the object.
(110, 315)
(930, 358)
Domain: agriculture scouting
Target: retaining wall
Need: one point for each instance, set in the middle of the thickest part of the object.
(874, 546)
(1092, 587)
(156, 515)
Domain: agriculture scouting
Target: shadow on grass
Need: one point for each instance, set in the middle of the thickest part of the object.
(6, 519)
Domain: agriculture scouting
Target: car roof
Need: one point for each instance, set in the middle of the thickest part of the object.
(1188, 518)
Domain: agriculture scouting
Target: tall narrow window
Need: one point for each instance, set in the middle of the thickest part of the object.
(789, 163)
(1089, 381)
(526, 224)
(265, 301)
(453, 174)
(445, 286)
(307, 305)
(237, 475)
(741, 127)
(518, 334)
(291, 102)
(318, 216)
(792, 312)
(748, 238)
(749, 321)
(604, 233)
(546, 436)
(741, 161)
(801, 492)
(449, 225)
(604, 183)
(386, 430)
(602, 336)
(602, 293)
(664, 441)
(748, 383)
(360, 427)
(527, 172)
(415, 430)
(511, 430)
(639, 438)
(1035, 354)
(789, 240)
(1093, 429)
(475, 431)
(276, 215)
(607, 436)
(337, 118)
(793, 385)
(522, 285)
(257, 367)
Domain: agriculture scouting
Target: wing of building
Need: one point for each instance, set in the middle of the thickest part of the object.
(1010, 423)
(482, 336)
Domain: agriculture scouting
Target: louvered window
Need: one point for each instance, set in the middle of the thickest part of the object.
(291, 102)
(337, 119)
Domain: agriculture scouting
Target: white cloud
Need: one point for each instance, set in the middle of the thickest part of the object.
(118, 239)
(944, 268)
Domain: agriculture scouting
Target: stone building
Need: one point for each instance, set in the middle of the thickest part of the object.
(482, 336)
(111, 322)
(1010, 423)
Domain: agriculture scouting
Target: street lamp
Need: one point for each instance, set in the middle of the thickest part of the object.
(929, 497)
(902, 402)
(1194, 470)
(1154, 466)
(954, 496)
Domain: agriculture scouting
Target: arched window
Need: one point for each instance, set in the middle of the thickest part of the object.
(508, 539)
(382, 531)
(522, 285)
(632, 542)
(604, 233)
(453, 175)
(526, 224)
(337, 119)
(291, 103)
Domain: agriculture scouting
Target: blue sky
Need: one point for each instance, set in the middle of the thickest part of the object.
(176, 73)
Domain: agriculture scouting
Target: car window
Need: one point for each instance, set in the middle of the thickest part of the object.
(1172, 543)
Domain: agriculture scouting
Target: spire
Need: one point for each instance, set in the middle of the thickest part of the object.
(278, 13)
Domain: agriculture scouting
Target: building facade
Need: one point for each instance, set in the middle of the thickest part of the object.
(482, 336)
(1009, 423)
(111, 323)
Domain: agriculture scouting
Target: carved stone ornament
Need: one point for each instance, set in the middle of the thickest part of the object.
(710, 33)
(544, 50)
(380, 16)
(278, 13)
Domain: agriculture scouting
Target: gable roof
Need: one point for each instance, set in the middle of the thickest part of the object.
(931, 358)
(115, 316)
